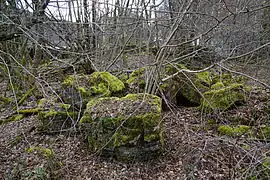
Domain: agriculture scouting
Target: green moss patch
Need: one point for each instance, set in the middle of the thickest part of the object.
(260, 133)
(15, 141)
(234, 131)
(15, 117)
(29, 111)
(266, 167)
(5, 100)
(45, 152)
(265, 133)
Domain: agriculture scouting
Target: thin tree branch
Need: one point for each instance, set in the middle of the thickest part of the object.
(243, 74)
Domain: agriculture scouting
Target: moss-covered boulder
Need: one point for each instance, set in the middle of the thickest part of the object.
(79, 89)
(210, 90)
(178, 90)
(192, 90)
(127, 128)
(183, 90)
(222, 97)
(55, 116)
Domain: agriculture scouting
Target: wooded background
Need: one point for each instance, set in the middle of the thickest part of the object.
(42, 42)
(105, 33)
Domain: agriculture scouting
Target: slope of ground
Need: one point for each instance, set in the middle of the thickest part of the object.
(193, 150)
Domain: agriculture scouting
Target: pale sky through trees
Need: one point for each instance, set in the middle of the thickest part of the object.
(60, 9)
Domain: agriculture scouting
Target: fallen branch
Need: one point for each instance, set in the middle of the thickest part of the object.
(188, 71)
(25, 96)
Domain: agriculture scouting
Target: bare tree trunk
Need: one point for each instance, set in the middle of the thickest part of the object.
(86, 26)
(94, 24)
(39, 17)
(171, 9)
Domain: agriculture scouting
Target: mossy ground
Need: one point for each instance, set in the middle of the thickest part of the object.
(5, 100)
(45, 152)
(265, 133)
(198, 149)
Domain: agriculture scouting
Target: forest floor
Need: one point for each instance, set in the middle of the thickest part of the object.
(193, 147)
(193, 150)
